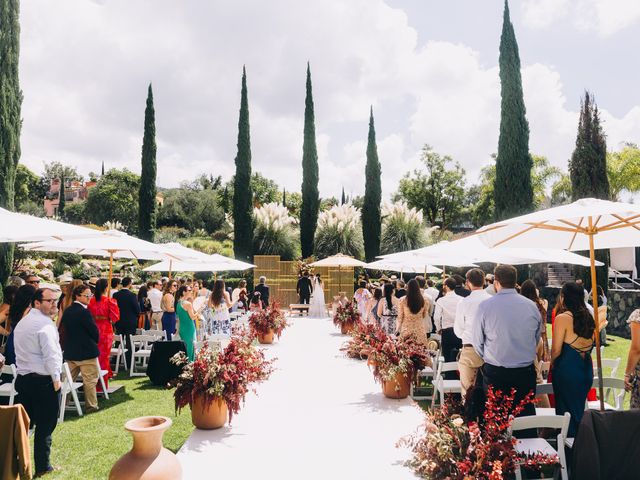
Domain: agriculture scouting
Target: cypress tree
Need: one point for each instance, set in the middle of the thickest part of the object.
(310, 194)
(62, 201)
(371, 215)
(10, 113)
(343, 198)
(588, 172)
(513, 192)
(284, 197)
(147, 193)
(225, 199)
(242, 195)
(102, 174)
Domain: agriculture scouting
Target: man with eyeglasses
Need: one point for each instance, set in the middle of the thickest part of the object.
(155, 297)
(81, 344)
(33, 280)
(39, 362)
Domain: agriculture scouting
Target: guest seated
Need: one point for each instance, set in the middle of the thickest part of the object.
(81, 343)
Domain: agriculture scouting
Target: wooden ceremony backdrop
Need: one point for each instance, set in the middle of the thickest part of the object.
(282, 277)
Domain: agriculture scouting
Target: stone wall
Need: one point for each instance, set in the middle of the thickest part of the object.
(621, 303)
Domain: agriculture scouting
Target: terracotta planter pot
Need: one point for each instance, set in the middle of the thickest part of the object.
(211, 416)
(148, 459)
(397, 388)
(347, 328)
(266, 339)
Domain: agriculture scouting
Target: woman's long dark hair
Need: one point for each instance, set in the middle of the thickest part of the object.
(179, 295)
(529, 290)
(143, 292)
(388, 293)
(217, 294)
(8, 293)
(415, 300)
(573, 301)
(101, 287)
(21, 301)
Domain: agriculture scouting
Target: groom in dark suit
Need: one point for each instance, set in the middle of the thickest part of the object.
(304, 288)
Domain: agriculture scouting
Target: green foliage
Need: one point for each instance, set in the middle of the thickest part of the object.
(561, 190)
(147, 207)
(371, 220)
(170, 234)
(623, 171)
(209, 246)
(55, 170)
(439, 191)
(310, 175)
(58, 267)
(264, 189)
(115, 197)
(27, 189)
(75, 213)
(242, 195)
(191, 210)
(274, 233)
(62, 199)
(294, 203)
(513, 193)
(71, 259)
(328, 203)
(402, 229)
(339, 231)
(10, 115)
(588, 164)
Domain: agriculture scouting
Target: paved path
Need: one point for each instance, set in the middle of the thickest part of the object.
(319, 416)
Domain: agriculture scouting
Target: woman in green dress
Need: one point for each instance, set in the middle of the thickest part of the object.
(186, 317)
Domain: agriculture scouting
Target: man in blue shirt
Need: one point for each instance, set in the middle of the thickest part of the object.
(505, 335)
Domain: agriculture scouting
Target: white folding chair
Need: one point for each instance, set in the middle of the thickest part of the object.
(616, 386)
(69, 386)
(103, 373)
(8, 389)
(545, 389)
(442, 386)
(118, 349)
(535, 445)
(612, 364)
(159, 335)
(140, 351)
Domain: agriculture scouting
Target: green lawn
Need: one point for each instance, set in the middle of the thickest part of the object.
(85, 448)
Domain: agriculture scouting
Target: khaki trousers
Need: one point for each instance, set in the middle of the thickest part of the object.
(90, 375)
(156, 321)
(468, 365)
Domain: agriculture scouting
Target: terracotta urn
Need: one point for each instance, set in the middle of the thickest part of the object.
(397, 388)
(211, 416)
(266, 339)
(347, 328)
(148, 459)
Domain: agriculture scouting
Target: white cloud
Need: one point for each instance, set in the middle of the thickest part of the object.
(606, 17)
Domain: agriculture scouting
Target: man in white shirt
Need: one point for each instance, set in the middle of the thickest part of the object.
(155, 298)
(491, 288)
(39, 363)
(432, 291)
(444, 317)
(469, 361)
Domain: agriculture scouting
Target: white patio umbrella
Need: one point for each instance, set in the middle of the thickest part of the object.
(438, 254)
(206, 263)
(182, 251)
(339, 260)
(19, 227)
(587, 224)
(400, 265)
(112, 244)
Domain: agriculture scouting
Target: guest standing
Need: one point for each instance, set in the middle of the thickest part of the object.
(20, 307)
(469, 362)
(186, 318)
(39, 363)
(155, 297)
(144, 319)
(411, 312)
(304, 288)
(129, 312)
(8, 294)
(632, 372)
(235, 295)
(217, 314)
(444, 317)
(115, 286)
(372, 306)
(361, 297)
(263, 289)
(105, 313)
(81, 344)
(571, 355)
(461, 289)
(401, 289)
(505, 336)
(168, 308)
(388, 309)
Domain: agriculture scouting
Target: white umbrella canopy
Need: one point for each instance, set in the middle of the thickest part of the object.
(338, 260)
(407, 266)
(207, 263)
(437, 254)
(587, 224)
(19, 227)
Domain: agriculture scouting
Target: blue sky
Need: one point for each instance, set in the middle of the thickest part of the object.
(429, 68)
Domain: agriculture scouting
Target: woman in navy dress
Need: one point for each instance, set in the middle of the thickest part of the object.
(571, 354)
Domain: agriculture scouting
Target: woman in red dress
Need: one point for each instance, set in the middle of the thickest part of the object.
(105, 312)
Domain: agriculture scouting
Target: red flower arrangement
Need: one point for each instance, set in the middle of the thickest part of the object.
(225, 374)
(403, 356)
(347, 313)
(366, 337)
(451, 448)
(269, 319)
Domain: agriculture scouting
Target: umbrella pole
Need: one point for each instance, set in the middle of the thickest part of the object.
(594, 293)
(339, 280)
(170, 267)
(110, 272)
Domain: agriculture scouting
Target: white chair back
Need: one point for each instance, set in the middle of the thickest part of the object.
(8, 389)
(616, 385)
(544, 389)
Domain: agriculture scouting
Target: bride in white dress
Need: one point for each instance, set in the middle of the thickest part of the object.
(317, 306)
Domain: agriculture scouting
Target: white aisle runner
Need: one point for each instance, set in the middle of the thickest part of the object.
(319, 416)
